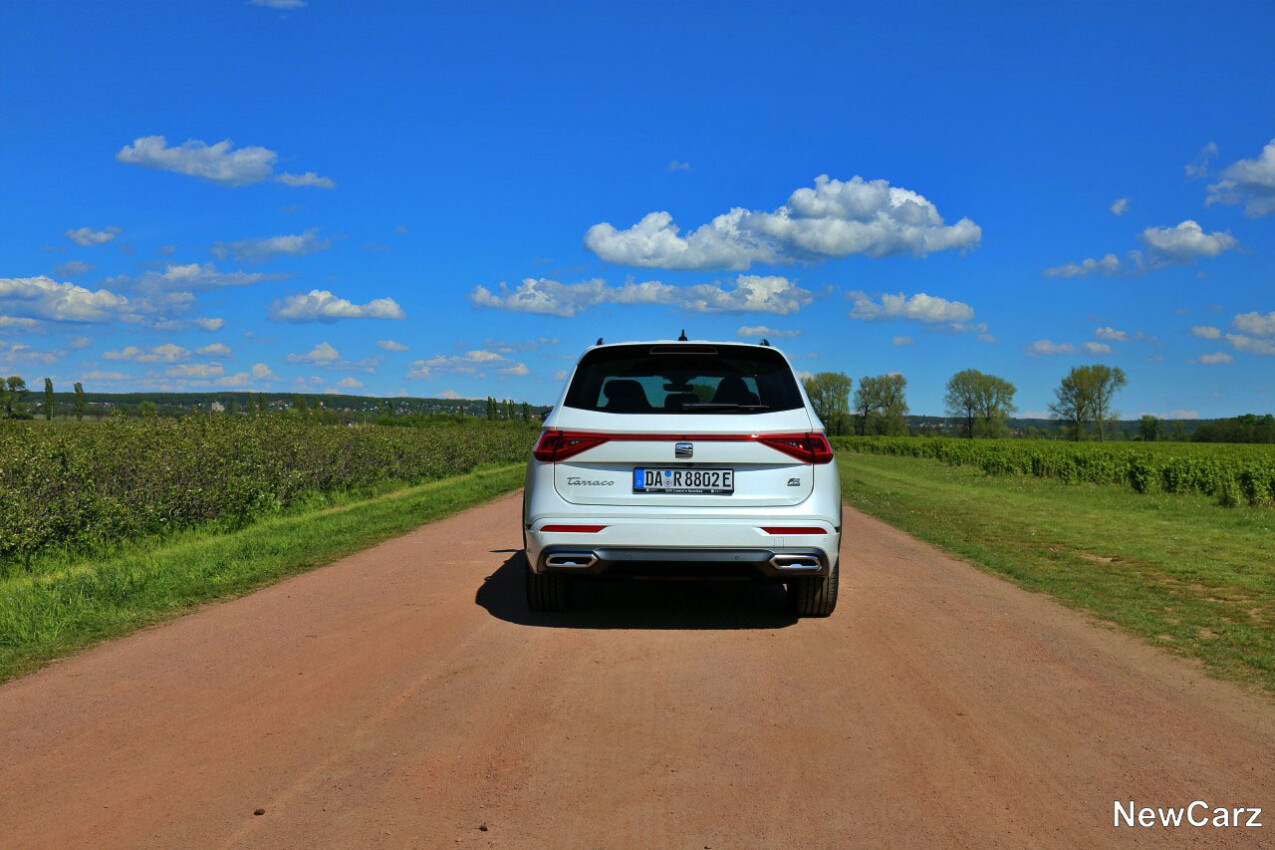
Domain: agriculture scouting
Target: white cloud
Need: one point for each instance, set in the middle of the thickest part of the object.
(1206, 332)
(216, 349)
(319, 305)
(195, 370)
(13, 322)
(1199, 167)
(104, 376)
(191, 276)
(1111, 334)
(1044, 347)
(675, 165)
(262, 372)
(902, 340)
(1250, 182)
(1256, 323)
(77, 342)
(754, 331)
(260, 250)
(321, 353)
(210, 324)
(44, 298)
(1120, 206)
(1213, 359)
(1109, 264)
(71, 268)
(391, 345)
(560, 375)
(216, 163)
(1097, 348)
(1187, 240)
(349, 383)
(309, 179)
(473, 363)
(750, 294)
(166, 353)
(87, 236)
(280, 4)
(1252, 346)
(832, 219)
(916, 308)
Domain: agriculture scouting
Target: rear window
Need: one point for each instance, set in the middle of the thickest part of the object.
(683, 379)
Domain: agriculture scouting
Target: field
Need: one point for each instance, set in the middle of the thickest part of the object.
(72, 489)
(1232, 474)
(1178, 569)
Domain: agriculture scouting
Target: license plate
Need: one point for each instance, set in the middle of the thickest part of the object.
(716, 482)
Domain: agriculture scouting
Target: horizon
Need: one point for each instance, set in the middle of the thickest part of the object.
(422, 201)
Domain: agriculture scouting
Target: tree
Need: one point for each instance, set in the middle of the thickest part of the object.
(79, 402)
(491, 409)
(983, 401)
(1149, 428)
(48, 399)
(147, 409)
(881, 405)
(830, 396)
(1084, 397)
(15, 393)
(526, 412)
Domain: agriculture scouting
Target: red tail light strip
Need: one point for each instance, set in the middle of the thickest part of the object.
(580, 529)
(555, 445)
(794, 530)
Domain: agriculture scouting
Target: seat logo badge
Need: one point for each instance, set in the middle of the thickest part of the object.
(794, 482)
(683, 450)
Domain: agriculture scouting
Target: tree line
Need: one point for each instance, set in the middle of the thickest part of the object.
(982, 403)
(14, 393)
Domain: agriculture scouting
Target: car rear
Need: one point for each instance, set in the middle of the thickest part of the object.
(683, 459)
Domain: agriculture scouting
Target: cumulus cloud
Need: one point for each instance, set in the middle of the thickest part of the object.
(833, 219)
(71, 268)
(1250, 182)
(260, 250)
(762, 331)
(475, 363)
(321, 353)
(1120, 206)
(210, 324)
(349, 383)
(219, 163)
(675, 165)
(309, 179)
(391, 345)
(319, 305)
(1097, 347)
(216, 349)
(14, 322)
(195, 370)
(1249, 345)
(1046, 348)
(1199, 167)
(1256, 323)
(45, 298)
(87, 236)
(921, 307)
(104, 376)
(902, 340)
(1206, 332)
(750, 294)
(1187, 240)
(1111, 334)
(262, 372)
(1109, 265)
(1215, 359)
(191, 277)
(504, 347)
(166, 353)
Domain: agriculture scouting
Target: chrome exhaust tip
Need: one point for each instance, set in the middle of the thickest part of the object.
(794, 562)
(577, 560)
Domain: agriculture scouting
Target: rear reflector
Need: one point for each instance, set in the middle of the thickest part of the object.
(555, 445)
(795, 530)
(582, 529)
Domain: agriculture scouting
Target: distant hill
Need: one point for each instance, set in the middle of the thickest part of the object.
(177, 404)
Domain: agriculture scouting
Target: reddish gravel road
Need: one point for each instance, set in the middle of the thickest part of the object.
(405, 697)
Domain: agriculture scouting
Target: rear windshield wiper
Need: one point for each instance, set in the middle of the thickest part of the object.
(723, 405)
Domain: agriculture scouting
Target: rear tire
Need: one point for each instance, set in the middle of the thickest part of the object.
(547, 591)
(814, 596)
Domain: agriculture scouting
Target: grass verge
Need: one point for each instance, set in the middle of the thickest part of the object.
(46, 616)
(1180, 571)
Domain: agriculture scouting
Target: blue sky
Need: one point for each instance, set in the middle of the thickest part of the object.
(440, 200)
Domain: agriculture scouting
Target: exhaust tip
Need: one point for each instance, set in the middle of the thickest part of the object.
(576, 560)
(795, 562)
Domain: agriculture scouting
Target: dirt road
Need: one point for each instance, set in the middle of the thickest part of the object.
(406, 697)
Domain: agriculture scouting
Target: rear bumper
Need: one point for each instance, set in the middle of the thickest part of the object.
(776, 563)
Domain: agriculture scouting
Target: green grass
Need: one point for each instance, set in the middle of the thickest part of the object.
(1180, 571)
(50, 614)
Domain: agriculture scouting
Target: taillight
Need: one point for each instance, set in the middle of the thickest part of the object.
(555, 445)
(811, 448)
(796, 529)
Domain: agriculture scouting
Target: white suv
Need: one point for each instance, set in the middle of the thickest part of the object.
(683, 459)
